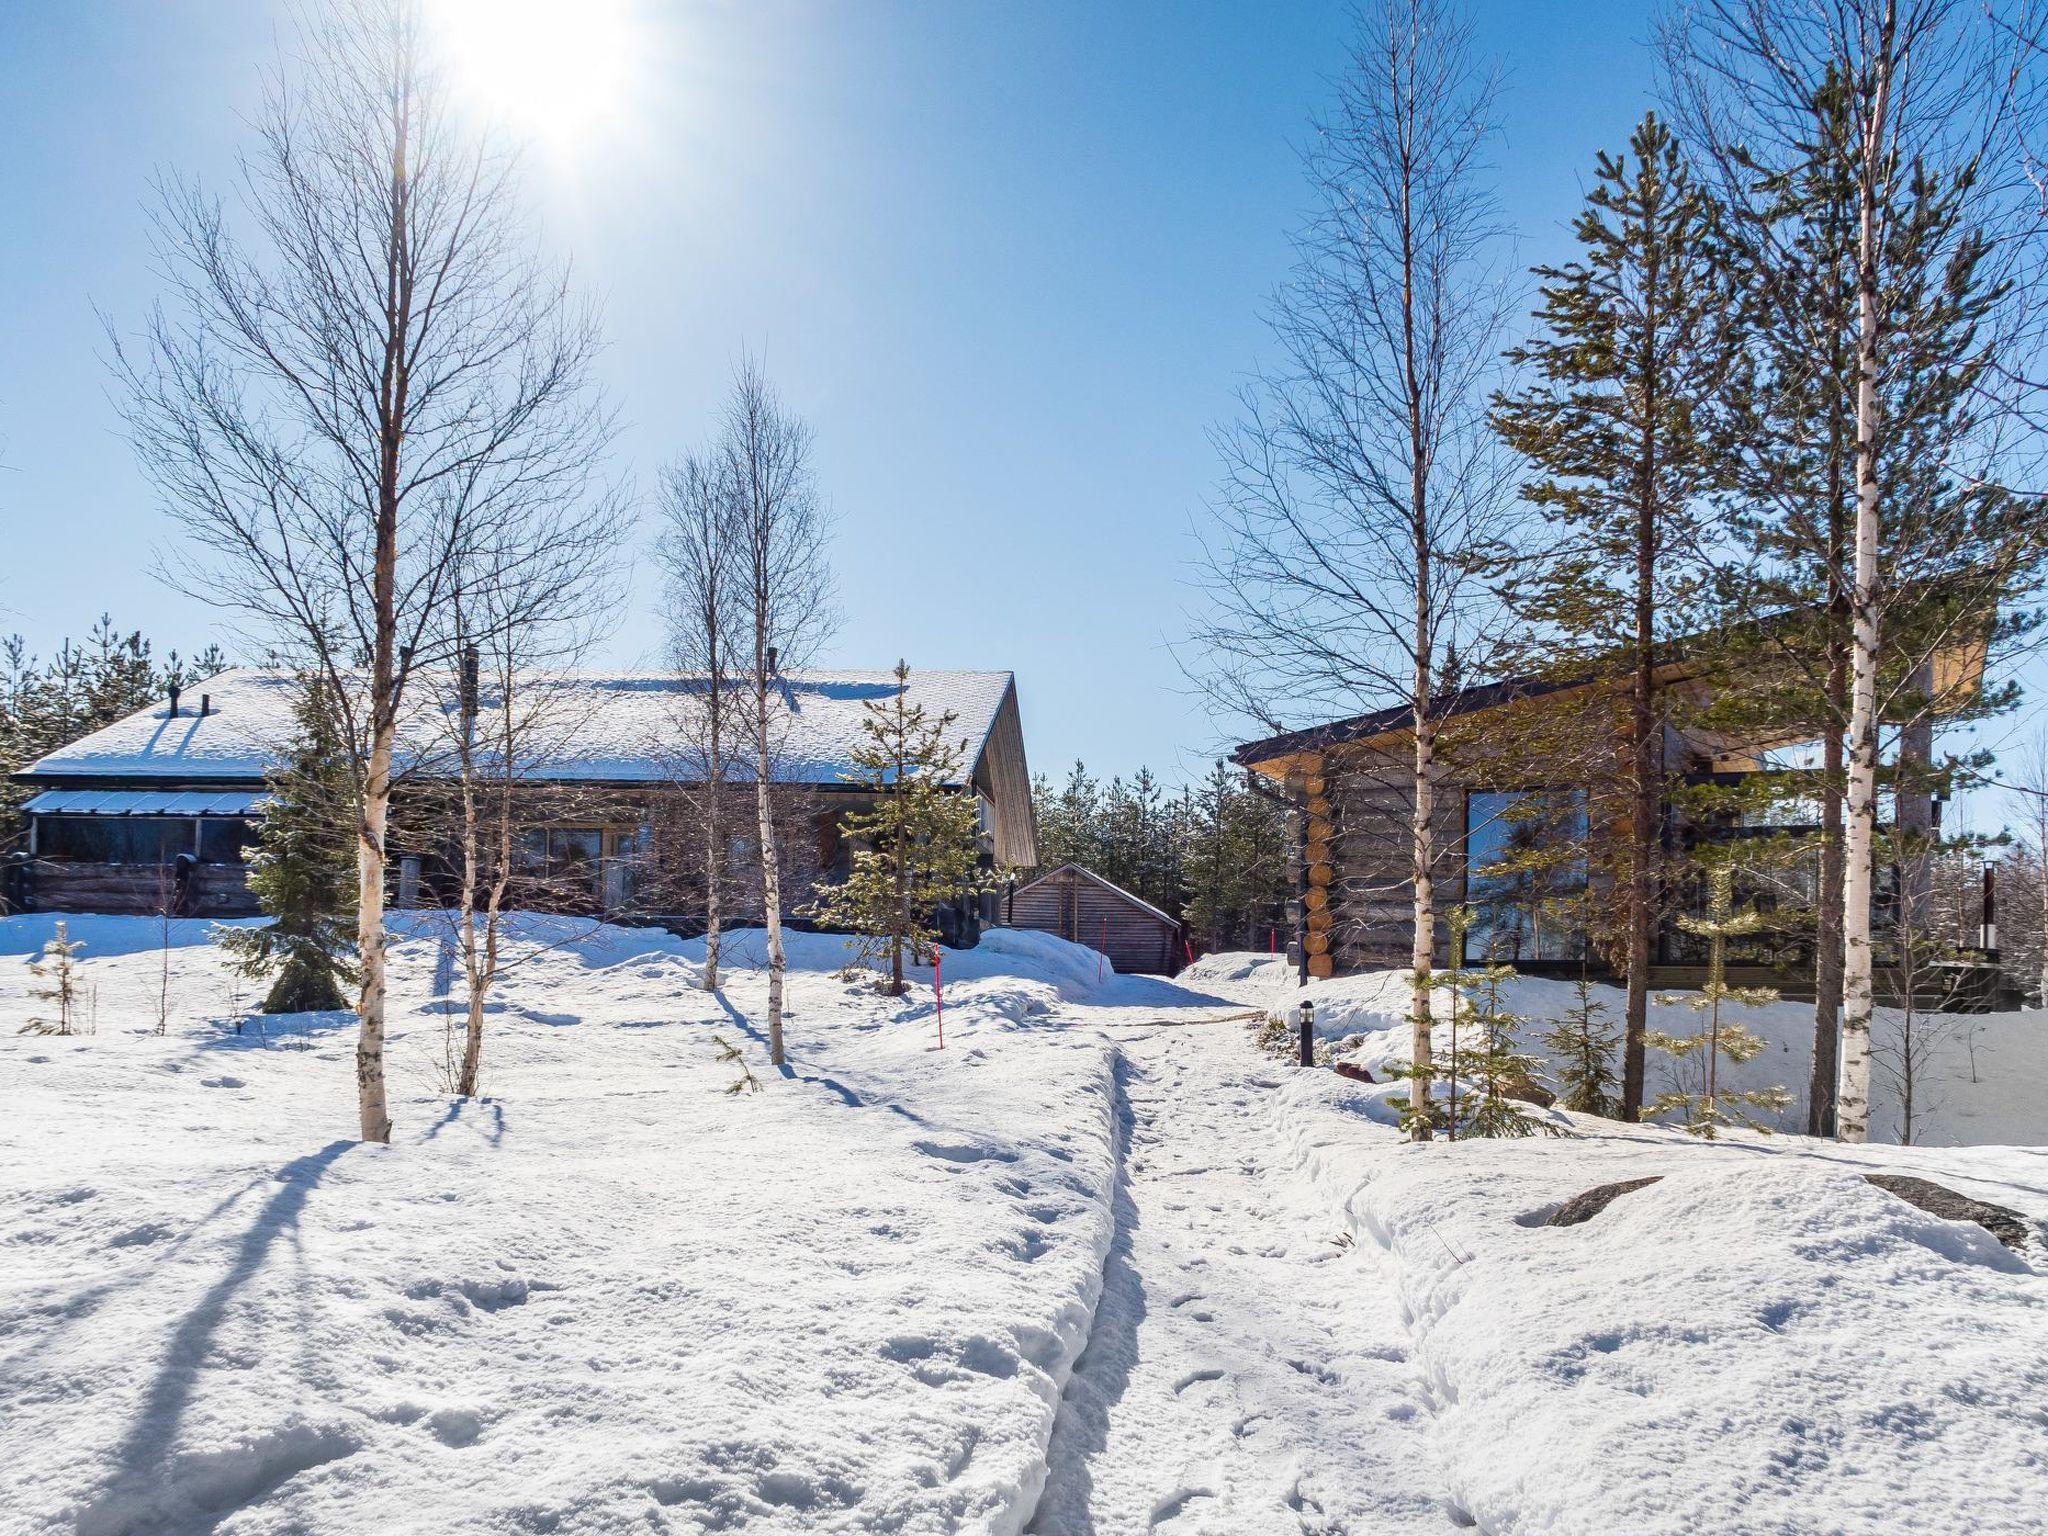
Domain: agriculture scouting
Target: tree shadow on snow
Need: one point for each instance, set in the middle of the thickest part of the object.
(146, 1495)
(468, 1111)
(1103, 1373)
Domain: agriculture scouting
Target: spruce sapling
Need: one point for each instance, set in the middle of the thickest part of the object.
(1702, 1114)
(731, 1054)
(1500, 1072)
(57, 984)
(1583, 1044)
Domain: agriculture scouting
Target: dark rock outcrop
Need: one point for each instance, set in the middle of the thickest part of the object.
(2008, 1226)
(1586, 1206)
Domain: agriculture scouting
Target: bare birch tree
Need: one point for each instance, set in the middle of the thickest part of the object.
(785, 590)
(525, 603)
(1362, 483)
(359, 369)
(709, 635)
(2021, 873)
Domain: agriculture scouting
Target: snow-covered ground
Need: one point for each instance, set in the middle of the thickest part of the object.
(1760, 1342)
(1978, 1077)
(607, 1297)
(1098, 1266)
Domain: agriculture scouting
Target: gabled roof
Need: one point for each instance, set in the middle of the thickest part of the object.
(609, 727)
(1115, 890)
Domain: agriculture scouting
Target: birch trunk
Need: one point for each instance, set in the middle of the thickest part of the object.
(771, 874)
(714, 853)
(1422, 953)
(2041, 898)
(473, 1030)
(374, 1115)
(1852, 1108)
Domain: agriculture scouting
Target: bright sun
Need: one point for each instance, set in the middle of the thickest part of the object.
(554, 70)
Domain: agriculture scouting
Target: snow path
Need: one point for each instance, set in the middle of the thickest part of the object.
(1249, 1369)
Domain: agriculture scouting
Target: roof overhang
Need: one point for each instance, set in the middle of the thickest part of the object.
(146, 802)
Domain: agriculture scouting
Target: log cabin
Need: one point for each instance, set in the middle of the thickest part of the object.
(159, 810)
(1509, 810)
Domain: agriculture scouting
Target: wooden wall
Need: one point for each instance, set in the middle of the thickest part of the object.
(1076, 908)
(217, 890)
(1359, 888)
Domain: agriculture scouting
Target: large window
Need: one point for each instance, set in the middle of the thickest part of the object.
(114, 839)
(1524, 864)
(565, 859)
(226, 840)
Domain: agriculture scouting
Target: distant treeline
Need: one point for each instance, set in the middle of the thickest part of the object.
(1213, 854)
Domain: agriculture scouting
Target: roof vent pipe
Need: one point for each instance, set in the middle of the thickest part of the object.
(174, 701)
(205, 705)
(773, 651)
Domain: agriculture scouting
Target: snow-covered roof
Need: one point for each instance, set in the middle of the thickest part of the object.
(610, 727)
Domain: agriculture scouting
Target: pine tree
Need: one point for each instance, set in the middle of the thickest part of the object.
(303, 871)
(1624, 425)
(56, 983)
(917, 845)
(1704, 1113)
(1582, 1045)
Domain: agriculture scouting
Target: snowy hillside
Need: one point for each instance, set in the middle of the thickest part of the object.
(1760, 1341)
(608, 1295)
(1980, 1077)
(1098, 1266)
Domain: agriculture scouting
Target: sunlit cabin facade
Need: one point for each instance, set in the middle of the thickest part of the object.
(1507, 789)
(159, 811)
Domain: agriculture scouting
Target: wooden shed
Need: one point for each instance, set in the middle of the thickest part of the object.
(1080, 905)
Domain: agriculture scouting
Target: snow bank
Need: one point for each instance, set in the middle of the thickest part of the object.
(608, 1296)
(1978, 1078)
(1760, 1342)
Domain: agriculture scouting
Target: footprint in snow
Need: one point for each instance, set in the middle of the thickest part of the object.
(222, 1082)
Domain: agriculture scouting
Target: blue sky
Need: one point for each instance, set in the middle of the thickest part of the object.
(1007, 259)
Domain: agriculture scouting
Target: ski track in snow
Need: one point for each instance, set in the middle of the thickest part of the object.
(1249, 1369)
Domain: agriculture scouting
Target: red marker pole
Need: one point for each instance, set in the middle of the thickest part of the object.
(938, 996)
(1102, 954)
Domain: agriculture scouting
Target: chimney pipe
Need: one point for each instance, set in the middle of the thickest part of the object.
(205, 705)
(174, 701)
(772, 652)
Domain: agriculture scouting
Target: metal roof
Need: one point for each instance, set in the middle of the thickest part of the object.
(142, 802)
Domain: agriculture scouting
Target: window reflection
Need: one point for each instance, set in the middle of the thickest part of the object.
(1524, 857)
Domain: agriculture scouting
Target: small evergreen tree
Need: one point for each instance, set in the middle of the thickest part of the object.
(1442, 1114)
(1703, 1113)
(1501, 1073)
(303, 872)
(56, 983)
(1583, 1044)
(917, 846)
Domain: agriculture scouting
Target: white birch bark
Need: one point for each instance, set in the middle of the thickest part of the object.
(1852, 1112)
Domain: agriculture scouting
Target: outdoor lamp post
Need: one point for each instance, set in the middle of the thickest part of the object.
(1308, 1033)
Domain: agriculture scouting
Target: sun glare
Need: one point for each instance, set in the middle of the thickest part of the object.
(551, 70)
